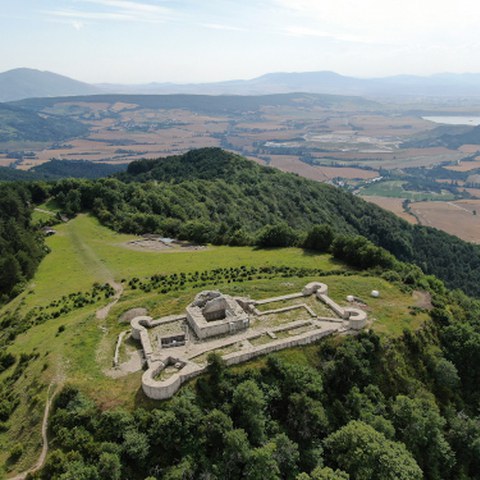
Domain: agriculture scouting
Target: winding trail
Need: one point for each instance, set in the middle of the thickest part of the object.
(102, 313)
(44, 430)
(93, 262)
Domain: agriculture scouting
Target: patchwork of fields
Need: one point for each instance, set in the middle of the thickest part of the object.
(372, 149)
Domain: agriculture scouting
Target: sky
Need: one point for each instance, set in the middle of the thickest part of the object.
(190, 41)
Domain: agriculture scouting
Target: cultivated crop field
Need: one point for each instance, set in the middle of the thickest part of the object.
(457, 218)
(395, 205)
(347, 141)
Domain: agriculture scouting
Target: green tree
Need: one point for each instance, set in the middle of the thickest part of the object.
(136, 445)
(286, 455)
(319, 237)
(213, 431)
(235, 454)
(248, 410)
(366, 454)
(262, 464)
(326, 473)
(109, 466)
(419, 426)
(185, 470)
(277, 235)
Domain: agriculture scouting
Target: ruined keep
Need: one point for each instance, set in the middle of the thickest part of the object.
(212, 314)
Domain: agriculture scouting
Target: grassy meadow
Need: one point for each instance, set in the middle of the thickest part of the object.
(395, 189)
(77, 348)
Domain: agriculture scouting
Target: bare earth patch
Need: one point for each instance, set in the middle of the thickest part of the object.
(422, 299)
(132, 365)
(157, 244)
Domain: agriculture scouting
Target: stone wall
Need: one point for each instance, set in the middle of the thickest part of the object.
(237, 319)
(163, 389)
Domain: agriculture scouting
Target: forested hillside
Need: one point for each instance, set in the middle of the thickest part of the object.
(209, 195)
(20, 245)
(358, 407)
(404, 399)
(18, 124)
(56, 169)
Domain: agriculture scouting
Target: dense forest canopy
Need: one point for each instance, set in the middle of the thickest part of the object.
(21, 246)
(210, 195)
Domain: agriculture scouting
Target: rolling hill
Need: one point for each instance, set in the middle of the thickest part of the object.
(208, 103)
(55, 169)
(19, 124)
(210, 195)
(27, 83)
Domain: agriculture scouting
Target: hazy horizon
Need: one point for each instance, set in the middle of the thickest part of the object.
(180, 41)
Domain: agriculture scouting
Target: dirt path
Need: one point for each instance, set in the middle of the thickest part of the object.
(102, 313)
(95, 264)
(43, 454)
(460, 207)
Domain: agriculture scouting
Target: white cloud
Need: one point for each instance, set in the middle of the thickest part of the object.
(77, 25)
(115, 10)
(218, 26)
(386, 21)
(132, 7)
(77, 14)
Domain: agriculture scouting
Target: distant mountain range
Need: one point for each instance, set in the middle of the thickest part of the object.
(27, 83)
(440, 85)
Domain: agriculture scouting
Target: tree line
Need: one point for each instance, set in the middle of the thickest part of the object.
(21, 245)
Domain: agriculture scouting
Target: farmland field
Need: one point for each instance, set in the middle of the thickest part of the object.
(395, 189)
(457, 218)
(394, 205)
(307, 134)
(373, 150)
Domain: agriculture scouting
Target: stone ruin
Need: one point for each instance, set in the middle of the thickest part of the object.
(215, 322)
(212, 314)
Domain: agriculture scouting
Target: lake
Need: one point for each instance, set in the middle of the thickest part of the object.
(454, 120)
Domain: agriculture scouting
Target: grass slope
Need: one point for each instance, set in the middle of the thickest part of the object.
(79, 352)
(78, 348)
(83, 251)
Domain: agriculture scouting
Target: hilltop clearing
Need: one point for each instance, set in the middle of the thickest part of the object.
(210, 195)
(54, 335)
(56, 332)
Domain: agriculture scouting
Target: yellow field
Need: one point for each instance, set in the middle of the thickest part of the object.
(394, 205)
(456, 218)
